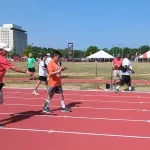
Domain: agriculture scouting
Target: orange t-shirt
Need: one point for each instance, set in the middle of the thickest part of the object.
(54, 80)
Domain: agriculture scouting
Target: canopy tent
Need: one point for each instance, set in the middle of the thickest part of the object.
(145, 55)
(100, 54)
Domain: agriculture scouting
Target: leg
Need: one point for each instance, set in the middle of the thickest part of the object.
(1, 101)
(129, 83)
(1, 97)
(35, 90)
(122, 82)
(51, 91)
(63, 107)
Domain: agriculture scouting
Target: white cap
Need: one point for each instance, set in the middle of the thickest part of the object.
(48, 54)
(4, 46)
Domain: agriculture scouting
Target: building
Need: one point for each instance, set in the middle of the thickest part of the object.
(14, 36)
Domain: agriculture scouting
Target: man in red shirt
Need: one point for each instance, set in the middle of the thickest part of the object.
(4, 65)
(116, 67)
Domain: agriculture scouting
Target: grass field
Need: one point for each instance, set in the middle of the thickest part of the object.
(93, 70)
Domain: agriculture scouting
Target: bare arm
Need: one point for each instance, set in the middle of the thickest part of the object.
(18, 70)
(55, 72)
(127, 67)
(44, 68)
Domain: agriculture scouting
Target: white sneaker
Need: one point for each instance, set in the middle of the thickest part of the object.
(35, 93)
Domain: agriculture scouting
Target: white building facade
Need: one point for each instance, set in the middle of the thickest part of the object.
(14, 36)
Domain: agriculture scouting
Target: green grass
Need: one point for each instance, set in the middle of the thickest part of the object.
(86, 70)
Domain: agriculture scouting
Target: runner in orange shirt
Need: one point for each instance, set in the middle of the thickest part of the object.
(54, 83)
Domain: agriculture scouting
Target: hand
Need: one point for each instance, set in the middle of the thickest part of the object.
(64, 68)
(133, 71)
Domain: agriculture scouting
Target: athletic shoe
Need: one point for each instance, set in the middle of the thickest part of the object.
(1, 125)
(47, 110)
(35, 93)
(116, 90)
(66, 109)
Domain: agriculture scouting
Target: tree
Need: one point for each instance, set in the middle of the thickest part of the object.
(27, 51)
(91, 50)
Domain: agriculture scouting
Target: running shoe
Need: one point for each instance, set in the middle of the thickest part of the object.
(47, 110)
(66, 109)
(116, 90)
(1, 125)
(35, 93)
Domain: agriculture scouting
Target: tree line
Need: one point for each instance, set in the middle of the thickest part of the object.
(83, 54)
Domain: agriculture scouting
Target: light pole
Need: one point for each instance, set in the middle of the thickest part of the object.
(121, 47)
(113, 46)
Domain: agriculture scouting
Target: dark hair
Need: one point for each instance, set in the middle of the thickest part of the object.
(57, 53)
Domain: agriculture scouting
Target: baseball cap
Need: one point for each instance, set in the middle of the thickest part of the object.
(5, 47)
(48, 54)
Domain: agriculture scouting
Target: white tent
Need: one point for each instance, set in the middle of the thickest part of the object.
(145, 55)
(101, 54)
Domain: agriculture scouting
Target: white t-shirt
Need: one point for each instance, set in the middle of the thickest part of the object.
(42, 72)
(48, 60)
(126, 62)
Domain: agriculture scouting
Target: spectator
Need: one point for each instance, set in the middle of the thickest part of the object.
(116, 68)
(4, 65)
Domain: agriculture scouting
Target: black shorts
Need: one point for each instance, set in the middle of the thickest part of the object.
(42, 78)
(125, 80)
(55, 89)
(31, 70)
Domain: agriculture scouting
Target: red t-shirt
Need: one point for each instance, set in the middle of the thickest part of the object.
(4, 65)
(117, 63)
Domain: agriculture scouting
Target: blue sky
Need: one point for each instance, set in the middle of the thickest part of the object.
(104, 23)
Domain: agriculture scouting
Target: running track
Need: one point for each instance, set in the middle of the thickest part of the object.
(99, 121)
(79, 80)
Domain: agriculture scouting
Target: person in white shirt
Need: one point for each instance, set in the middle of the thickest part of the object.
(48, 59)
(126, 71)
(42, 75)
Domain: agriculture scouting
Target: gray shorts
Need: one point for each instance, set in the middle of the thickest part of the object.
(55, 89)
(1, 97)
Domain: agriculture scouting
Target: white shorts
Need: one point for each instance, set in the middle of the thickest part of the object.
(116, 74)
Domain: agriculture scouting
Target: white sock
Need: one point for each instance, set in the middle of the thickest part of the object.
(117, 87)
(129, 88)
(62, 103)
(47, 103)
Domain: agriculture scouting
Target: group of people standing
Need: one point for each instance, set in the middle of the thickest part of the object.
(122, 69)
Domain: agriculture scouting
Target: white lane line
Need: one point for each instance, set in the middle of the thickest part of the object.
(85, 95)
(78, 133)
(81, 91)
(78, 107)
(81, 100)
(76, 117)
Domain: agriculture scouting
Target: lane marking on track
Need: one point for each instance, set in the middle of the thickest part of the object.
(76, 107)
(81, 117)
(91, 95)
(76, 90)
(100, 101)
(78, 133)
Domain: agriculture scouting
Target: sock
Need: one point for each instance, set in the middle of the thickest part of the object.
(47, 103)
(129, 88)
(117, 87)
(62, 103)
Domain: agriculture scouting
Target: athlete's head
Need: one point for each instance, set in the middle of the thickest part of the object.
(56, 56)
(4, 49)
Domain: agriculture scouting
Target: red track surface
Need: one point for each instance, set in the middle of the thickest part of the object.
(79, 80)
(100, 120)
